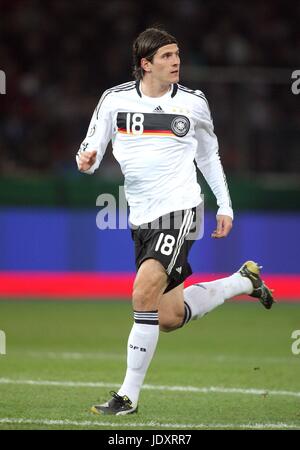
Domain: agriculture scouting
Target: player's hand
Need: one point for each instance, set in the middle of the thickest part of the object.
(86, 159)
(224, 225)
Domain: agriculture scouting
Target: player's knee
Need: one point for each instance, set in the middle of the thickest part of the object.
(144, 299)
(146, 293)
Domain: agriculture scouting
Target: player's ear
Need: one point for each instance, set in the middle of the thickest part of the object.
(146, 65)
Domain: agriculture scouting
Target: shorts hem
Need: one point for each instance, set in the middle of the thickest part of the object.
(172, 282)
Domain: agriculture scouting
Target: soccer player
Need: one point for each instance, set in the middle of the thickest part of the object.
(158, 128)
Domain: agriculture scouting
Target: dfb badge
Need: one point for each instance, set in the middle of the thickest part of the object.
(180, 126)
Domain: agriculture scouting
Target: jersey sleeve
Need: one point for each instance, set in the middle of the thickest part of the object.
(99, 132)
(208, 159)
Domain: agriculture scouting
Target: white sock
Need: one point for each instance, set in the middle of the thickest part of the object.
(202, 298)
(142, 343)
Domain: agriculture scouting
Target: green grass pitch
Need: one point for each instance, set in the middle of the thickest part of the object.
(232, 369)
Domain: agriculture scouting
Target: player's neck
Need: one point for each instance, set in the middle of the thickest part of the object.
(153, 88)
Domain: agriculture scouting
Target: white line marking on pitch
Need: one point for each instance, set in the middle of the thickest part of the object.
(152, 387)
(76, 355)
(147, 424)
(69, 355)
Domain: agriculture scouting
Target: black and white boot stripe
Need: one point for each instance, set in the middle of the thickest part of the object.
(146, 317)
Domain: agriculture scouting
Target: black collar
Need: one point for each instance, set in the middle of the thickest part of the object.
(175, 89)
(137, 86)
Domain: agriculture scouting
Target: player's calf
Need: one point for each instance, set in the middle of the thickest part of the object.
(168, 324)
(171, 311)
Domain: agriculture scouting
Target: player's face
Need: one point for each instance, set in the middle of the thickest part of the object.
(165, 64)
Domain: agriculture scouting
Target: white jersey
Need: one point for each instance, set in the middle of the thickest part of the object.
(156, 140)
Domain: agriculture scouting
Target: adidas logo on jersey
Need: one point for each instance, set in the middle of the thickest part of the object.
(178, 269)
(158, 109)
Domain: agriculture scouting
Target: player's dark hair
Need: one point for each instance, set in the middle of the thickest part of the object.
(146, 45)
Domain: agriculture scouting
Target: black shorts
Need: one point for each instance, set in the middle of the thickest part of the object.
(168, 239)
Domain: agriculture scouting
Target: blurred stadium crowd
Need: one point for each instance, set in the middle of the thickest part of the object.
(60, 55)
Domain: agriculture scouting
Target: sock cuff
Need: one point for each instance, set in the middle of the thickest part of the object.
(146, 317)
(187, 314)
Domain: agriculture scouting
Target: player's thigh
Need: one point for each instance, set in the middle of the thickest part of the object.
(149, 285)
(171, 309)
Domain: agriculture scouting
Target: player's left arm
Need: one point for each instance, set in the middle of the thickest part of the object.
(224, 225)
(209, 163)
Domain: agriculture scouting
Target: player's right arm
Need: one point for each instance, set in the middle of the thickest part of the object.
(85, 160)
(97, 138)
